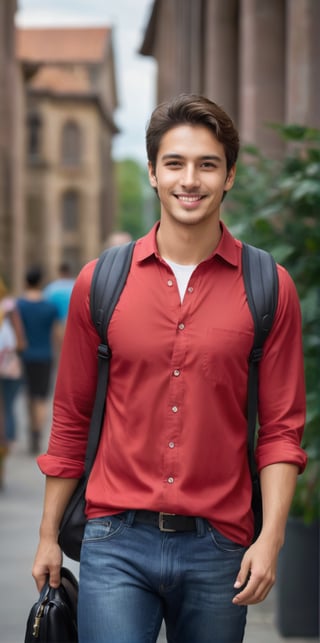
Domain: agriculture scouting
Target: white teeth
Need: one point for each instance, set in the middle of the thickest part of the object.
(189, 199)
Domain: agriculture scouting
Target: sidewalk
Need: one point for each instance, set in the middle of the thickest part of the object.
(20, 509)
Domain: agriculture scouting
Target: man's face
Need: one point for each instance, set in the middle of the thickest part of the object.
(190, 174)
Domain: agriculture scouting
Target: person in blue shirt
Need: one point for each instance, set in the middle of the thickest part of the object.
(39, 318)
(59, 293)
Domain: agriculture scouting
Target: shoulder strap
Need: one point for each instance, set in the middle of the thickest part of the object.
(261, 283)
(108, 280)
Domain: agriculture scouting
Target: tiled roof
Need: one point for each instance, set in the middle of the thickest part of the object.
(61, 81)
(62, 45)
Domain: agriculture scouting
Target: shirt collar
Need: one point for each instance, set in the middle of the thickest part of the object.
(227, 249)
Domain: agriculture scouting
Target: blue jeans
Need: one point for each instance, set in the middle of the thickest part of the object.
(132, 576)
(9, 389)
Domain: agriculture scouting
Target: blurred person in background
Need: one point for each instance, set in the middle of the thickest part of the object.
(3, 444)
(59, 293)
(12, 342)
(40, 318)
(118, 238)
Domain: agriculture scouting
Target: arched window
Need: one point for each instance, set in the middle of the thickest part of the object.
(71, 143)
(34, 127)
(70, 211)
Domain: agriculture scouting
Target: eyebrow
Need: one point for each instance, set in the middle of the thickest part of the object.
(207, 157)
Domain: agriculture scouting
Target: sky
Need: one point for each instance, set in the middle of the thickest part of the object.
(135, 74)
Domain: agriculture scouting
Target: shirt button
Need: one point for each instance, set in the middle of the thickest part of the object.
(170, 480)
(181, 326)
(170, 282)
(176, 372)
(175, 409)
(190, 289)
(171, 445)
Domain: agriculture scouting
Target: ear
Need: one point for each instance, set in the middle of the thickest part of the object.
(152, 176)
(230, 179)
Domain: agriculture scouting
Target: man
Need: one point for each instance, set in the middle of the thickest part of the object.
(40, 321)
(169, 531)
(59, 293)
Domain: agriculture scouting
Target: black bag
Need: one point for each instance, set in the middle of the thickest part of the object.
(261, 284)
(53, 618)
(109, 278)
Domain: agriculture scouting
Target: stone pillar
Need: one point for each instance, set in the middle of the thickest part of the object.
(8, 80)
(18, 196)
(262, 72)
(220, 54)
(303, 55)
(164, 49)
(188, 18)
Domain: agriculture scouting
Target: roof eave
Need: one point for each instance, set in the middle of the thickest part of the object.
(147, 47)
(78, 97)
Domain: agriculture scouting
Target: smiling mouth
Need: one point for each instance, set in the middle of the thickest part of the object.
(192, 198)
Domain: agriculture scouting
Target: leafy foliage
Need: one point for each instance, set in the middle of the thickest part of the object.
(276, 205)
(132, 189)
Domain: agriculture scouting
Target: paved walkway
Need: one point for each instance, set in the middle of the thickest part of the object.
(20, 509)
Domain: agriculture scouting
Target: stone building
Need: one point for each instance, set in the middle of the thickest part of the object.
(257, 58)
(70, 101)
(11, 150)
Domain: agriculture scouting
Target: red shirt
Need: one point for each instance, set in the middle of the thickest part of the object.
(175, 432)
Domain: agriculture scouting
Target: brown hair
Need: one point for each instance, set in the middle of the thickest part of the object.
(194, 110)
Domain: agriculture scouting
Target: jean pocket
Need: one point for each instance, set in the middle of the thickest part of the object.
(223, 543)
(100, 529)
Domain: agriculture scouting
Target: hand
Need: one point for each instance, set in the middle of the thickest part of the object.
(47, 563)
(257, 573)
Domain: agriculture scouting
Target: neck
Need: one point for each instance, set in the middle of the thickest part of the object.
(187, 245)
(33, 294)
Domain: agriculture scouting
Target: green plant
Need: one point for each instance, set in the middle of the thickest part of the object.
(276, 205)
(134, 202)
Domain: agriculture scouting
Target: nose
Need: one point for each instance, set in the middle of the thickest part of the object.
(190, 176)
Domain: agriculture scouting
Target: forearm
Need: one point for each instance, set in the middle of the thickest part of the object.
(48, 558)
(278, 482)
(259, 564)
(58, 491)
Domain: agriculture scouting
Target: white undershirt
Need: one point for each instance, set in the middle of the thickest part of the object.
(182, 274)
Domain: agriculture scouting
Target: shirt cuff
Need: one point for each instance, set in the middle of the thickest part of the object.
(296, 456)
(51, 465)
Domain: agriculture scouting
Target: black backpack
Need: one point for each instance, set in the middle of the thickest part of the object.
(261, 284)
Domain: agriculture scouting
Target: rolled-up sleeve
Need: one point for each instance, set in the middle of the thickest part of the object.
(282, 406)
(75, 387)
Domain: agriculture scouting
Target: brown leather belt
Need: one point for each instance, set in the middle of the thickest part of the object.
(165, 521)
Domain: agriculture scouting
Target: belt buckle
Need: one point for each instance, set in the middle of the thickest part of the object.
(162, 515)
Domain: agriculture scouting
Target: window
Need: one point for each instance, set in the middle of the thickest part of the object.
(70, 211)
(34, 127)
(72, 256)
(71, 144)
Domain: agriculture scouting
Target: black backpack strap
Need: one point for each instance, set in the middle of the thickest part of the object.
(109, 277)
(261, 283)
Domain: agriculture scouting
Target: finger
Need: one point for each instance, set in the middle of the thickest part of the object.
(55, 577)
(40, 580)
(243, 576)
(254, 592)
